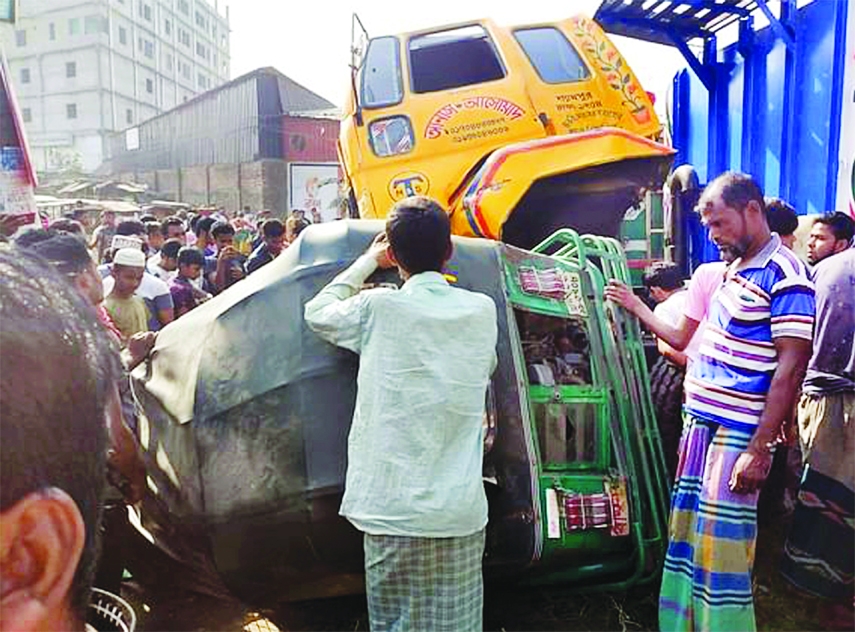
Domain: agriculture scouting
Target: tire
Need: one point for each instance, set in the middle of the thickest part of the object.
(666, 390)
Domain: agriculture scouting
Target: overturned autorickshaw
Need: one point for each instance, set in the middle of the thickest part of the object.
(246, 416)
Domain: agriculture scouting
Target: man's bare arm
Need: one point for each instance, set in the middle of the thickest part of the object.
(677, 337)
(753, 465)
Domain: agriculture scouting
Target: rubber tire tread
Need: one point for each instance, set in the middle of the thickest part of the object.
(666, 390)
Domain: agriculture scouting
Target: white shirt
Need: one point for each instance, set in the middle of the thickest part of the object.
(415, 448)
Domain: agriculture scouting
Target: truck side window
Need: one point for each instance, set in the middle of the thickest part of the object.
(391, 136)
(553, 57)
(382, 85)
(451, 59)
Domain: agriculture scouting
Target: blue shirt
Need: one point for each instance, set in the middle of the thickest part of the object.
(415, 448)
(766, 297)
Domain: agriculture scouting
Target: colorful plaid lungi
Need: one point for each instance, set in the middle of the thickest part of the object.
(819, 556)
(425, 584)
(706, 581)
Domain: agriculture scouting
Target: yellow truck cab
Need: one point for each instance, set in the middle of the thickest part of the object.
(516, 131)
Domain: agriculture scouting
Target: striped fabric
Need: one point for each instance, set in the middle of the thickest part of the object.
(706, 581)
(425, 584)
(769, 296)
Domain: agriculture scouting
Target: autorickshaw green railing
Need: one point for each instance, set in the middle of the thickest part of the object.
(627, 443)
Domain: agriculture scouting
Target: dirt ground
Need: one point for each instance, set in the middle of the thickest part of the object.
(171, 606)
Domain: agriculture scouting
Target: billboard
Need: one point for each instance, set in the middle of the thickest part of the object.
(314, 188)
(17, 177)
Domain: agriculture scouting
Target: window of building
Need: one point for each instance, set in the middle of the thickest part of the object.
(167, 27)
(201, 21)
(435, 59)
(145, 11)
(70, 69)
(553, 57)
(200, 50)
(129, 116)
(52, 31)
(184, 7)
(148, 49)
(25, 75)
(94, 24)
(214, 32)
(186, 72)
(149, 86)
(203, 81)
(26, 115)
(184, 37)
(74, 26)
(20, 38)
(139, 43)
(167, 61)
(123, 35)
(71, 110)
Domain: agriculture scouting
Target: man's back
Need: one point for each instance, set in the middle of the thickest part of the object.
(414, 460)
(832, 365)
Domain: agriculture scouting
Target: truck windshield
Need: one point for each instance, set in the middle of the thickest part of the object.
(382, 85)
(452, 59)
(553, 57)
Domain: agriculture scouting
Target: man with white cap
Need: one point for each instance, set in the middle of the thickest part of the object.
(129, 312)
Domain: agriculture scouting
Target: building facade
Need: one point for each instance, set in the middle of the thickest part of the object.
(83, 69)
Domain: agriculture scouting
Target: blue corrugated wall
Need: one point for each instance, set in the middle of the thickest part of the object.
(778, 110)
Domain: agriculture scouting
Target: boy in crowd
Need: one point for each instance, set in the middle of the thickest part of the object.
(127, 311)
(226, 267)
(273, 233)
(166, 267)
(185, 295)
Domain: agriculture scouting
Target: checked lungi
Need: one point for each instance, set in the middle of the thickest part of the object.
(706, 581)
(425, 584)
(819, 556)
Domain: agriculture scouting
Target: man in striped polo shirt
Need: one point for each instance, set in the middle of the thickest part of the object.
(743, 386)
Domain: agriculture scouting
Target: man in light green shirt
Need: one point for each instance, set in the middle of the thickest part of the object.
(413, 483)
(128, 312)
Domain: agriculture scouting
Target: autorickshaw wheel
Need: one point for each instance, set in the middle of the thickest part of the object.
(666, 390)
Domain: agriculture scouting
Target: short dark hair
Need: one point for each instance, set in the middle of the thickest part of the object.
(222, 228)
(665, 275)
(842, 226)
(131, 228)
(29, 236)
(148, 217)
(297, 223)
(188, 256)
(203, 225)
(170, 221)
(170, 248)
(781, 217)
(66, 253)
(67, 225)
(419, 233)
(152, 228)
(737, 190)
(58, 437)
(272, 228)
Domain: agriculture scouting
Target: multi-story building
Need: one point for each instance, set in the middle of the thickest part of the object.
(83, 69)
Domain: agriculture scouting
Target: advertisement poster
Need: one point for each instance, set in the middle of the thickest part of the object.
(17, 178)
(314, 188)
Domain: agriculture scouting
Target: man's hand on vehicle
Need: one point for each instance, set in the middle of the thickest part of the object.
(623, 295)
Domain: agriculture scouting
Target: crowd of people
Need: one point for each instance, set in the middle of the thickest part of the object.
(762, 343)
(154, 271)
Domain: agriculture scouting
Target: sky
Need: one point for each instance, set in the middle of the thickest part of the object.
(309, 40)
